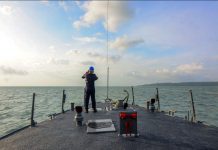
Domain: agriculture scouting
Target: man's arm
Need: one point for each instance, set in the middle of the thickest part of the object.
(84, 76)
(96, 78)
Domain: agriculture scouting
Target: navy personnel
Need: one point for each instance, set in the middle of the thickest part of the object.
(89, 90)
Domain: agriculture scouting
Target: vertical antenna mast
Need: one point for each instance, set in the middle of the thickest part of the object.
(107, 55)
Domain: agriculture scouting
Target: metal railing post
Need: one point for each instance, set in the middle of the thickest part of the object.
(72, 106)
(193, 106)
(33, 123)
(63, 101)
(158, 100)
(133, 98)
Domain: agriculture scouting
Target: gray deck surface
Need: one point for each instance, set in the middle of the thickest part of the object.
(157, 131)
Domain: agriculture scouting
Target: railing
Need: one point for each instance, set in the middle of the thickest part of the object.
(33, 123)
(191, 115)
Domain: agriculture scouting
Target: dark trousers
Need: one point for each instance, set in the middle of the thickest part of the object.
(87, 94)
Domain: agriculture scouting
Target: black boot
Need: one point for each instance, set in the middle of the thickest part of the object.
(87, 111)
(95, 110)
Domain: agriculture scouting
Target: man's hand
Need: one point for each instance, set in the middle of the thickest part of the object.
(84, 76)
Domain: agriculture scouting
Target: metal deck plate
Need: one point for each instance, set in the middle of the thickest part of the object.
(100, 125)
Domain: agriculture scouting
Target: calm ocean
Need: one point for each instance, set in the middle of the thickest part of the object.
(16, 102)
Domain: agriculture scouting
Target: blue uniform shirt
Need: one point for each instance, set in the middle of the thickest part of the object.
(90, 80)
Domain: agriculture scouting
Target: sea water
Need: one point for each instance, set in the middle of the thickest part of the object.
(16, 102)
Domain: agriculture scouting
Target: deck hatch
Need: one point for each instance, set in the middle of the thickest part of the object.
(100, 125)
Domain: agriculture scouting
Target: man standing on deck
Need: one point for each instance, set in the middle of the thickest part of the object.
(89, 90)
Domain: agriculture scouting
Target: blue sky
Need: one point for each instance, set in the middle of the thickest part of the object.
(52, 43)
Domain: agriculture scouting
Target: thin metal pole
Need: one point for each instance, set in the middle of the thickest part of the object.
(107, 82)
(158, 100)
(193, 106)
(188, 115)
(107, 31)
(32, 113)
(133, 98)
(107, 54)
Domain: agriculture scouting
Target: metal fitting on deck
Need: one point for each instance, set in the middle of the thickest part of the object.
(72, 106)
(78, 117)
(148, 104)
(152, 107)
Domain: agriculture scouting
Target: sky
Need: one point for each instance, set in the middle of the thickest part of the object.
(53, 43)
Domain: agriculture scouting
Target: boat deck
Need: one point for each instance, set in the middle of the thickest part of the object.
(156, 131)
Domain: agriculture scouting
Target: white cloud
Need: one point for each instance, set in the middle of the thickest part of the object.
(95, 11)
(6, 10)
(162, 71)
(98, 34)
(87, 63)
(102, 57)
(63, 4)
(89, 39)
(114, 58)
(136, 75)
(51, 47)
(93, 55)
(58, 61)
(12, 71)
(73, 52)
(189, 68)
(180, 69)
(46, 2)
(78, 3)
(6, 80)
(122, 43)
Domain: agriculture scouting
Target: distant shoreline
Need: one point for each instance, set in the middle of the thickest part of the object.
(183, 84)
